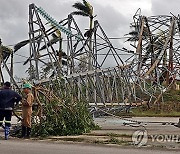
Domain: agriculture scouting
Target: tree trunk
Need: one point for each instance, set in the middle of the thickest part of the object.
(90, 45)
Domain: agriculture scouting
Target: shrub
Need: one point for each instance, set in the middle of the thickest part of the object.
(67, 119)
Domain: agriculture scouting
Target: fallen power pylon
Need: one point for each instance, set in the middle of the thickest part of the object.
(140, 77)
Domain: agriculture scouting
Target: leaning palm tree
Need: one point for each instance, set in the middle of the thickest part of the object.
(85, 9)
(5, 53)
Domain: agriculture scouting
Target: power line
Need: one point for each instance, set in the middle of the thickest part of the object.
(110, 38)
(20, 55)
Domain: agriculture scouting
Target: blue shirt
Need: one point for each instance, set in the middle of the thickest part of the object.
(8, 98)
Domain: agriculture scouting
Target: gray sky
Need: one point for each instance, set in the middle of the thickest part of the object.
(113, 15)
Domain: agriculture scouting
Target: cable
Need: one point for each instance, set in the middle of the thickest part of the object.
(20, 55)
(136, 121)
(65, 40)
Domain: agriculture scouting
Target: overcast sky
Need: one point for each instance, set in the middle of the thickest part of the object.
(113, 15)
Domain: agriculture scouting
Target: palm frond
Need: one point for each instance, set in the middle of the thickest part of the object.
(6, 49)
(84, 2)
(20, 45)
(6, 52)
(89, 6)
(80, 13)
(54, 40)
(132, 39)
(81, 7)
(133, 33)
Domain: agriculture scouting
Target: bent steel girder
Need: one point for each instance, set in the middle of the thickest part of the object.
(136, 78)
(76, 48)
(156, 42)
(101, 85)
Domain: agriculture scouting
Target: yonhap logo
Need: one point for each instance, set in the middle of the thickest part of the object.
(140, 138)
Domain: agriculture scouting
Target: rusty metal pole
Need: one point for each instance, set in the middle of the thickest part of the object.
(170, 65)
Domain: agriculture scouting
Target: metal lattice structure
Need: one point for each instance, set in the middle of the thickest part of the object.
(99, 85)
(156, 43)
(139, 77)
(77, 44)
(136, 80)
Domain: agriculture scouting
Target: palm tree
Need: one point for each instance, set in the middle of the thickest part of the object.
(5, 53)
(85, 9)
(152, 49)
(56, 38)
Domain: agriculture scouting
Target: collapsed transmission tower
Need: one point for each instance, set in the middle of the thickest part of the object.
(100, 85)
(156, 41)
(138, 78)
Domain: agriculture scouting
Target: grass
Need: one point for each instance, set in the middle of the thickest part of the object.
(119, 135)
(170, 107)
(112, 140)
(138, 112)
(71, 139)
(150, 113)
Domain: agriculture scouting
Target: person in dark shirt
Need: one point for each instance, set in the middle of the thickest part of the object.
(8, 99)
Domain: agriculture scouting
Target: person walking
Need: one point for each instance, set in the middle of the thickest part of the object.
(27, 103)
(8, 99)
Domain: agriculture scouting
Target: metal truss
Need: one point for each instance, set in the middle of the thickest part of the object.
(82, 62)
(142, 77)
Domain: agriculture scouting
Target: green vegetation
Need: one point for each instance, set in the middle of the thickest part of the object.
(112, 140)
(69, 119)
(170, 107)
(151, 113)
(119, 135)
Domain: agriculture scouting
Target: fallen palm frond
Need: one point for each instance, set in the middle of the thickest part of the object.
(57, 115)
